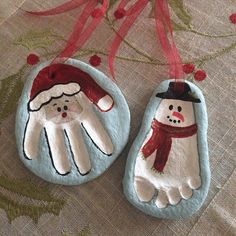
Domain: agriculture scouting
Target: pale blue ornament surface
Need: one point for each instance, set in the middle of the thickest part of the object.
(116, 122)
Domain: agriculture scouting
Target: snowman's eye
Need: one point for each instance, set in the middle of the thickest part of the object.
(179, 108)
(171, 107)
(59, 109)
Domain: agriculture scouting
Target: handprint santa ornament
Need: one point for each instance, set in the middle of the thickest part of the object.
(60, 105)
(69, 128)
(72, 120)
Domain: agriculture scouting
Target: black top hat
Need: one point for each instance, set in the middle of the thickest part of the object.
(179, 91)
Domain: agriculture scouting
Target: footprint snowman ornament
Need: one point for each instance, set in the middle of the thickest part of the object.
(67, 122)
(168, 161)
(167, 173)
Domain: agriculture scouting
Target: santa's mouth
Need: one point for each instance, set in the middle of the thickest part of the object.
(64, 114)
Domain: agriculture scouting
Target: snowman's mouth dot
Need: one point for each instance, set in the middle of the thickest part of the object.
(174, 121)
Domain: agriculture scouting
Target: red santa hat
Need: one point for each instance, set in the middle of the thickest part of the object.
(62, 79)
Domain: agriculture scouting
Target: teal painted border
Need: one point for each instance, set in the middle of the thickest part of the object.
(186, 207)
(116, 122)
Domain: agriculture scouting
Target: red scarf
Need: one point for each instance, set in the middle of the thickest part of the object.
(161, 141)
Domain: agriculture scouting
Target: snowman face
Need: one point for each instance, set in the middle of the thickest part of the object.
(63, 109)
(175, 113)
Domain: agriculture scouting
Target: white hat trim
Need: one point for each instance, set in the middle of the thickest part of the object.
(55, 92)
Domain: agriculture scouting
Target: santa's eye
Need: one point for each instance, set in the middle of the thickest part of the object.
(65, 108)
(171, 107)
(59, 109)
(179, 109)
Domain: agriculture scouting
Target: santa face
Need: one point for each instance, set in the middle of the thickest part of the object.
(63, 109)
(175, 113)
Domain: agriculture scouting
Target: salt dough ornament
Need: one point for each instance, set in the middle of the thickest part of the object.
(167, 173)
(72, 122)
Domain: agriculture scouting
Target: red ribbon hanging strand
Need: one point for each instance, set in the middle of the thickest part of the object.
(59, 9)
(163, 21)
(163, 26)
(75, 38)
(78, 39)
(123, 4)
(80, 34)
(133, 12)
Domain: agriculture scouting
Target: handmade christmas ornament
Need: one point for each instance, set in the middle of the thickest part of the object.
(72, 121)
(167, 172)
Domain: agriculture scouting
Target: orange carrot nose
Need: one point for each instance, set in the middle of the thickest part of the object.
(178, 115)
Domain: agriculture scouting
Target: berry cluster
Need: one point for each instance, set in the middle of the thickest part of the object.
(199, 75)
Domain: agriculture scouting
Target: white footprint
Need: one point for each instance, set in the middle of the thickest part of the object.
(195, 183)
(171, 195)
(185, 191)
(144, 189)
(162, 200)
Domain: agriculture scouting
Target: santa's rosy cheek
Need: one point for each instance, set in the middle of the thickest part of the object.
(51, 114)
(74, 108)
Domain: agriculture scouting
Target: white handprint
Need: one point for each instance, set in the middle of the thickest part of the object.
(62, 120)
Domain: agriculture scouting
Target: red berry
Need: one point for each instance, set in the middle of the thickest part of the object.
(188, 68)
(119, 13)
(233, 18)
(32, 59)
(95, 60)
(97, 13)
(200, 75)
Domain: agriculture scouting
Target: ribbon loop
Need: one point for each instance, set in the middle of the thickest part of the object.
(68, 6)
(81, 32)
(135, 11)
(163, 27)
(163, 21)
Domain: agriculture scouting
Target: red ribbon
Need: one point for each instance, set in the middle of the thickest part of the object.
(162, 16)
(123, 4)
(59, 9)
(80, 33)
(163, 22)
(133, 12)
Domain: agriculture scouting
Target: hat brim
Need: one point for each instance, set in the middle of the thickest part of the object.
(53, 93)
(187, 98)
